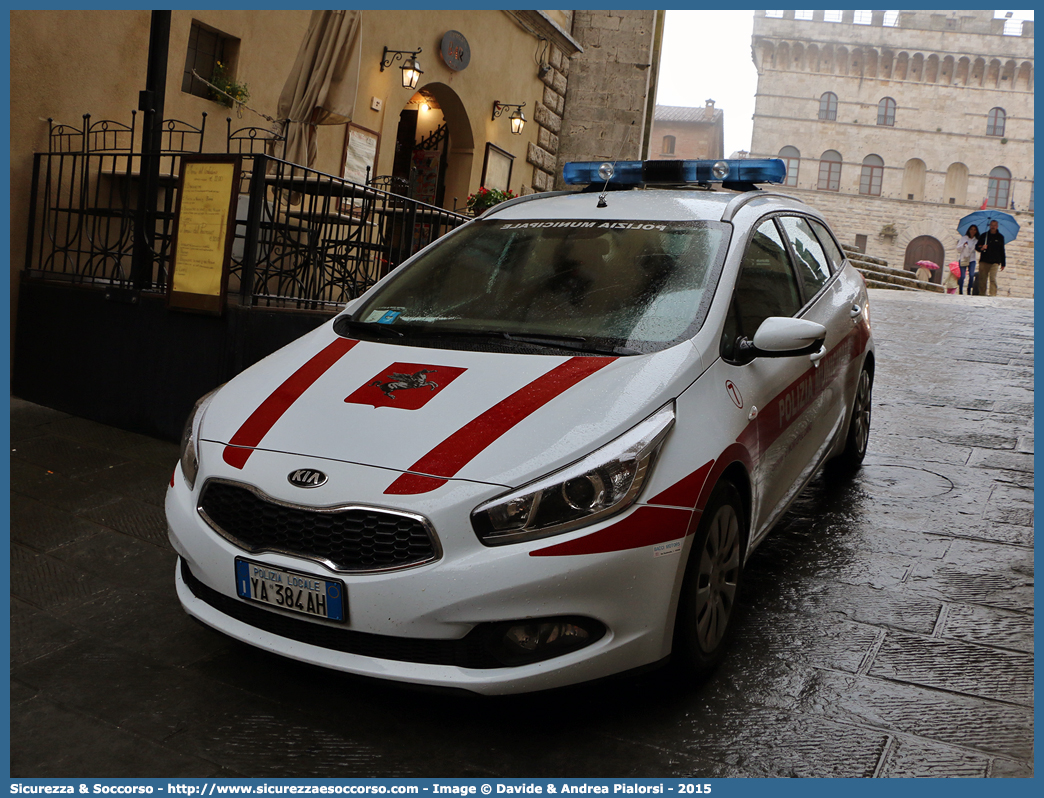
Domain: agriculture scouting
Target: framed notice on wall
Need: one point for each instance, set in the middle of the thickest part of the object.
(496, 170)
(360, 152)
(204, 225)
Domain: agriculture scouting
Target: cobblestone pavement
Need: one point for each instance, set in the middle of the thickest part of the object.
(887, 630)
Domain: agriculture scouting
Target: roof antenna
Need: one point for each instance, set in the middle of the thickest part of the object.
(606, 171)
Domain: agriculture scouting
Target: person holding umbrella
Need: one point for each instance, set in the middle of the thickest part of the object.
(1001, 228)
(966, 257)
(992, 255)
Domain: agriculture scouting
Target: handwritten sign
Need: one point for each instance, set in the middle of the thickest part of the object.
(360, 152)
(203, 230)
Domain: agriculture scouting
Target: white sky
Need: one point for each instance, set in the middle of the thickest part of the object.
(706, 55)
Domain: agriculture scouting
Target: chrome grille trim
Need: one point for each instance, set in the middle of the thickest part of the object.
(436, 544)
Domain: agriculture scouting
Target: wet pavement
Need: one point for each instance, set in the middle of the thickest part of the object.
(887, 627)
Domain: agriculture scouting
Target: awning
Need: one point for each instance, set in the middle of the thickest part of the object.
(322, 85)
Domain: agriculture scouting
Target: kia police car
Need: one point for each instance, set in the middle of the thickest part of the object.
(542, 449)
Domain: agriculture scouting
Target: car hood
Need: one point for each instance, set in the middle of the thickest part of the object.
(495, 418)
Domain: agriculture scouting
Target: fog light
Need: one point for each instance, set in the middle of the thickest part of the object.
(522, 642)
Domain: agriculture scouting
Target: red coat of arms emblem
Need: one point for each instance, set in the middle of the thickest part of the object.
(408, 386)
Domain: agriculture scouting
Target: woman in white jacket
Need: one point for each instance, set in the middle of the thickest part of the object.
(966, 257)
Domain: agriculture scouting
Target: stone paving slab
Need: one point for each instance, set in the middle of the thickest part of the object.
(886, 628)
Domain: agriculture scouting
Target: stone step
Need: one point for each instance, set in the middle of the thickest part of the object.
(855, 255)
(879, 274)
(886, 269)
(900, 279)
(892, 286)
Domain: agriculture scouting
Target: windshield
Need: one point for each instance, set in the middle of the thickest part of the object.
(635, 286)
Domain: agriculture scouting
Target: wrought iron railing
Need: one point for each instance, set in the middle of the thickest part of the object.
(303, 239)
(308, 239)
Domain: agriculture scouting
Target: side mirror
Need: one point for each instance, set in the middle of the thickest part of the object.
(780, 336)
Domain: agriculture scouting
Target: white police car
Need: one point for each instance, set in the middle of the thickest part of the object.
(541, 450)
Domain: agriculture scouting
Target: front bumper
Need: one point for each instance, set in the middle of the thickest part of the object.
(414, 625)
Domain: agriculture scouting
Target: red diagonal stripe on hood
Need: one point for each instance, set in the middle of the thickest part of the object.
(269, 411)
(465, 444)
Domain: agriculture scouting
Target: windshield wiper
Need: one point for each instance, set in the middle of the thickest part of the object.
(572, 342)
(575, 343)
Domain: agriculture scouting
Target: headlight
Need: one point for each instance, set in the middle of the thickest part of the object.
(605, 482)
(190, 439)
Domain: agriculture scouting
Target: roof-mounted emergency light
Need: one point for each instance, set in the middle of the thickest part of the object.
(635, 173)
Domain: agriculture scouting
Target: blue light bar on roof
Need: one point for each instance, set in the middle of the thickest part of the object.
(634, 173)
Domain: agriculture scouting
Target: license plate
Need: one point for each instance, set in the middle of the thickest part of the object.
(290, 590)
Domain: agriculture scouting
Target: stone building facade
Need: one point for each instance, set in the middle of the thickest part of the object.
(897, 124)
(682, 133)
(610, 90)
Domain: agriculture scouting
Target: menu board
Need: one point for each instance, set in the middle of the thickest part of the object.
(204, 223)
(360, 152)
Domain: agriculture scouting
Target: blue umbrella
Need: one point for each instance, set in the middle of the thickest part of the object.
(1006, 224)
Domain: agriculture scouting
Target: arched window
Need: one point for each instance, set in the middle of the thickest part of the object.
(913, 179)
(995, 122)
(956, 189)
(886, 112)
(830, 171)
(668, 145)
(792, 158)
(871, 176)
(999, 188)
(828, 106)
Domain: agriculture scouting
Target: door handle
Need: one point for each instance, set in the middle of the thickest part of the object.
(815, 357)
(856, 311)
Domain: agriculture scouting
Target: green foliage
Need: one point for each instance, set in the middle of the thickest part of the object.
(486, 198)
(233, 90)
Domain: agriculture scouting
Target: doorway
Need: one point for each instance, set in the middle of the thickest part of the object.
(434, 148)
(926, 248)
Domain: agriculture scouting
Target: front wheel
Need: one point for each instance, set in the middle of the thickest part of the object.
(859, 427)
(711, 585)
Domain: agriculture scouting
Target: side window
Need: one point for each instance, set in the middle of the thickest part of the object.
(812, 265)
(766, 287)
(833, 251)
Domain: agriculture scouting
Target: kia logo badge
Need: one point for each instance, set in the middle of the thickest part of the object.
(307, 478)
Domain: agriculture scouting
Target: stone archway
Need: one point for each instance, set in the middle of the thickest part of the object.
(925, 248)
(452, 133)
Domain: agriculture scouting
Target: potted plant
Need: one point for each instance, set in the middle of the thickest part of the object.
(229, 91)
(486, 198)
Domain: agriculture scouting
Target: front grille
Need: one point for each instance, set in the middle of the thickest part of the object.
(350, 539)
(468, 652)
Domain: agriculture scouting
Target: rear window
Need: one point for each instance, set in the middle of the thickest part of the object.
(637, 284)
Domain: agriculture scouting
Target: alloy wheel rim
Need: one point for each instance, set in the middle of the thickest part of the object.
(861, 413)
(717, 578)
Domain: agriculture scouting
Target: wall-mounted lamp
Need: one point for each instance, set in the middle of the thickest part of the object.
(411, 70)
(518, 121)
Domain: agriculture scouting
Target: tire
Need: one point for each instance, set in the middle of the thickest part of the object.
(707, 603)
(859, 427)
